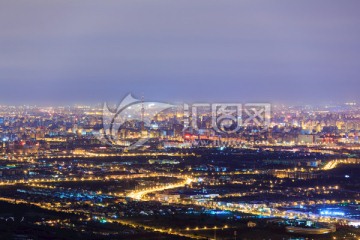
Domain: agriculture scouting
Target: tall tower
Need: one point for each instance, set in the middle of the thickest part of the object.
(142, 114)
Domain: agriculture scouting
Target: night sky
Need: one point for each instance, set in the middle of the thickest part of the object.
(84, 51)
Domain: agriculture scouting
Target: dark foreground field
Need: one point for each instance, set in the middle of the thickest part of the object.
(21, 222)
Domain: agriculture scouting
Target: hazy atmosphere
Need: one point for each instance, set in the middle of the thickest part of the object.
(94, 51)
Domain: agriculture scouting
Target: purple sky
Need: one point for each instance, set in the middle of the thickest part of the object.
(56, 51)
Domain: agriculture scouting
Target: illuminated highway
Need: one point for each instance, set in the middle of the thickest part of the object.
(334, 163)
(139, 195)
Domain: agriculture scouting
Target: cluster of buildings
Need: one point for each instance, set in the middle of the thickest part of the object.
(32, 130)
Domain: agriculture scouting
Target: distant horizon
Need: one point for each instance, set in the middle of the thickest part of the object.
(113, 103)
